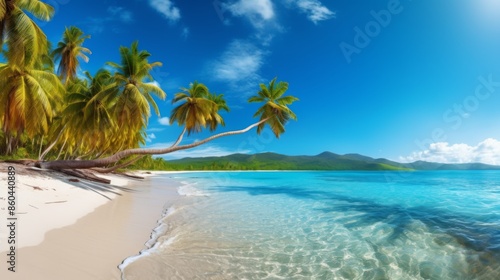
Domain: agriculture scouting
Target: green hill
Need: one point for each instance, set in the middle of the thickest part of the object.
(272, 161)
(323, 161)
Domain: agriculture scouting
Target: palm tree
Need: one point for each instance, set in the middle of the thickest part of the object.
(216, 119)
(275, 112)
(88, 114)
(197, 110)
(28, 100)
(136, 89)
(26, 42)
(275, 109)
(28, 95)
(69, 50)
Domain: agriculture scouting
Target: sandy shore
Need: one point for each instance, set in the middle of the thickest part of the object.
(78, 230)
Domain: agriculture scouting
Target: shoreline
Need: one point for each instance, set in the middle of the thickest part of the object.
(88, 230)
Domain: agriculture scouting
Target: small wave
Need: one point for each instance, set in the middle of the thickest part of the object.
(189, 190)
(161, 228)
(145, 253)
(154, 242)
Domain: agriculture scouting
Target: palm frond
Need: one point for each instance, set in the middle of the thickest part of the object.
(275, 109)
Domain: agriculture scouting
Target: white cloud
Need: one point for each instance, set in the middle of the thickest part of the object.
(150, 137)
(160, 145)
(240, 61)
(164, 121)
(314, 9)
(155, 129)
(257, 11)
(201, 151)
(239, 65)
(167, 9)
(487, 151)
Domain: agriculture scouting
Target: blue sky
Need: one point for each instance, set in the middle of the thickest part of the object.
(404, 80)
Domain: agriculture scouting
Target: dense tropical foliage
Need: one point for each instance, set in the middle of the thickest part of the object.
(69, 118)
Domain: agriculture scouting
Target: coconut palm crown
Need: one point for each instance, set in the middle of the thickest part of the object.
(136, 87)
(69, 50)
(275, 109)
(199, 110)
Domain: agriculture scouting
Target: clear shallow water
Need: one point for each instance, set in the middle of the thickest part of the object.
(328, 225)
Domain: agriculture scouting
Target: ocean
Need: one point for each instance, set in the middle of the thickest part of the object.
(326, 225)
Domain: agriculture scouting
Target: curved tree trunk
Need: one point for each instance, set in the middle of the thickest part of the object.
(47, 150)
(61, 150)
(111, 169)
(102, 162)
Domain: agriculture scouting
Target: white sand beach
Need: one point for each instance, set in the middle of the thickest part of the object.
(77, 230)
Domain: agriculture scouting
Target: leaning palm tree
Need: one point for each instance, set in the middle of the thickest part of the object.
(215, 118)
(136, 88)
(197, 110)
(275, 109)
(69, 50)
(275, 113)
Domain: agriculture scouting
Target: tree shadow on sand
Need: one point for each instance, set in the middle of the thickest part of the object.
(98, 188)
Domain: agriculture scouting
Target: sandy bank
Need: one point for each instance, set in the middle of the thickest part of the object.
(78, 230)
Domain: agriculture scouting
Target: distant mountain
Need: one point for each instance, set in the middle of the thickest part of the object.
(423, 165)
(323, 161)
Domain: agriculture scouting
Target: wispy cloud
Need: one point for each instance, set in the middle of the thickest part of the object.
(164, 121)
(239, 65)
(241, 62)
(314, 10)
(487, 151)
(120, 13)
(185, 32)
(167, 9)
(256, 11)
(150, 137)
(115, 14)
(155, 129)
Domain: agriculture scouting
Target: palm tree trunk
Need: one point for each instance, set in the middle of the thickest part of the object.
(179, 139)
(51, 145)
(60, 151)
(85, 164)
(9, 139)
(125, 164)
(41, 145)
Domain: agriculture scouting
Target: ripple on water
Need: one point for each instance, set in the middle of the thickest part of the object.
(347, 229)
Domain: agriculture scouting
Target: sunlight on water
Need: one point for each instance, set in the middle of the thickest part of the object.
(332, 225)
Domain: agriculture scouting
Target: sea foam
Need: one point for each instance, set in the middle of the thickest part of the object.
(155, 241)
(188, 189)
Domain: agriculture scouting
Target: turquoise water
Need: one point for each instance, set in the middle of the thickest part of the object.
(330, 225)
